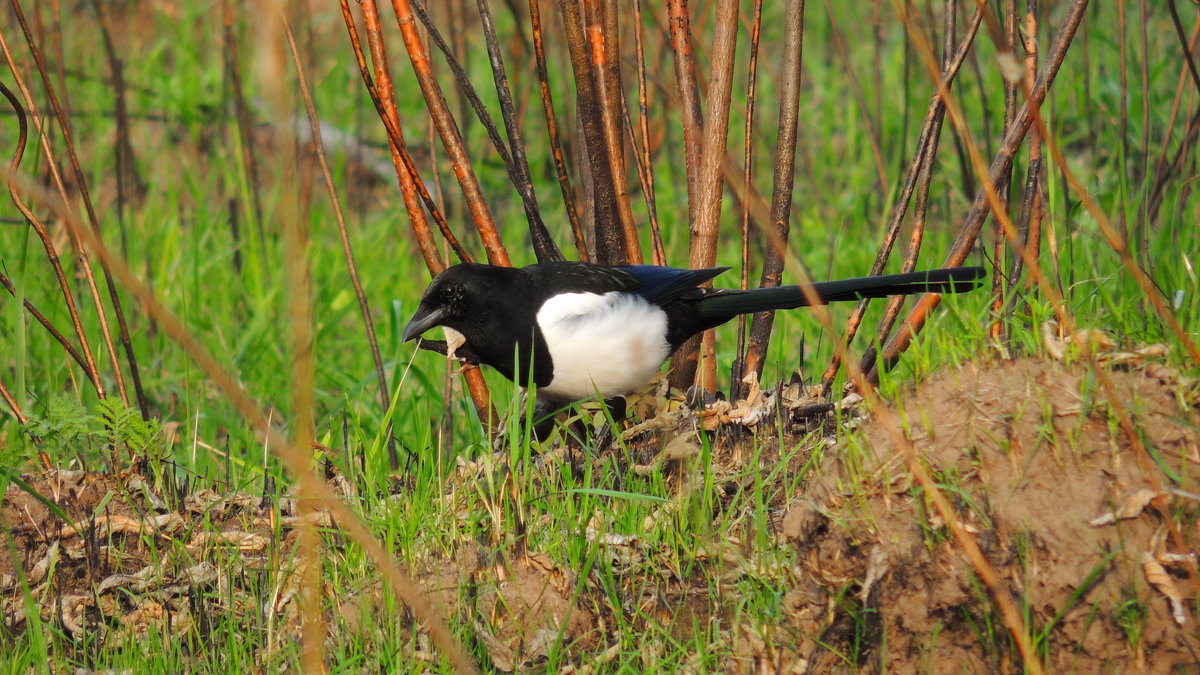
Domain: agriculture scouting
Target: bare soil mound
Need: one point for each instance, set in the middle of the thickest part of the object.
(1038, 468)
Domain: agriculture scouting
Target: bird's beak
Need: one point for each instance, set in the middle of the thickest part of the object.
(423, 320)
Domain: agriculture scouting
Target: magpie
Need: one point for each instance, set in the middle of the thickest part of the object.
(577, 330)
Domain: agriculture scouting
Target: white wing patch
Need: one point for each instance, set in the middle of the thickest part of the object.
(611, 344)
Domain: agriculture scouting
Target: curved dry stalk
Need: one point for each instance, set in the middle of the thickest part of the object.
(88, 360)
(85, 196)
(452, 142)
(347, 250)
(560, 165)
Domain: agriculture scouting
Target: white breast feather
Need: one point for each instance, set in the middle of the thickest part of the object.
(611, 344)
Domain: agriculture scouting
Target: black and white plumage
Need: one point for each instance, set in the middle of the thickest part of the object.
(576, 330)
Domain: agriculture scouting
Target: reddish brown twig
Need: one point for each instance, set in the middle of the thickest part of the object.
(410, 184)
(452, 142)
(407, 174)
(511, 154)
(645, 173)
(688, 90)
(13, 405)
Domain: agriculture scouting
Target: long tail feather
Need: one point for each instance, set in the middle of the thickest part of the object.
(729, 303)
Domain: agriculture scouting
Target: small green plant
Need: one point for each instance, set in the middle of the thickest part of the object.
(124, 427)
(61, 427)
(66, 429)
(1131, 617)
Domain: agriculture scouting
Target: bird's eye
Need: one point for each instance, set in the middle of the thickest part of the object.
(451, 292)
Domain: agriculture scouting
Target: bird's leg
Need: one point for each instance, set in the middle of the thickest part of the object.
(615, 408)
(543, 419)
(544, 414)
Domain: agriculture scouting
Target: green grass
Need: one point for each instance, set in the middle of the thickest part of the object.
(230, 291)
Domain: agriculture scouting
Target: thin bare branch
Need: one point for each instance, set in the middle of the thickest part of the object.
(688, 90)
(779, 223)
(512, 154)
(987, 200)
(89, 361)
(646, 174)
(917, 178)
(737, 387)
(560, 165)
(452, 142)
(406, 173)
(604, 48)
(543, 244)
(41, 318)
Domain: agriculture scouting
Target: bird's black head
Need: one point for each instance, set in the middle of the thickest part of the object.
(462, 297)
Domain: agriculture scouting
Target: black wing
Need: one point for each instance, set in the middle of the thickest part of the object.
(659, 285)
